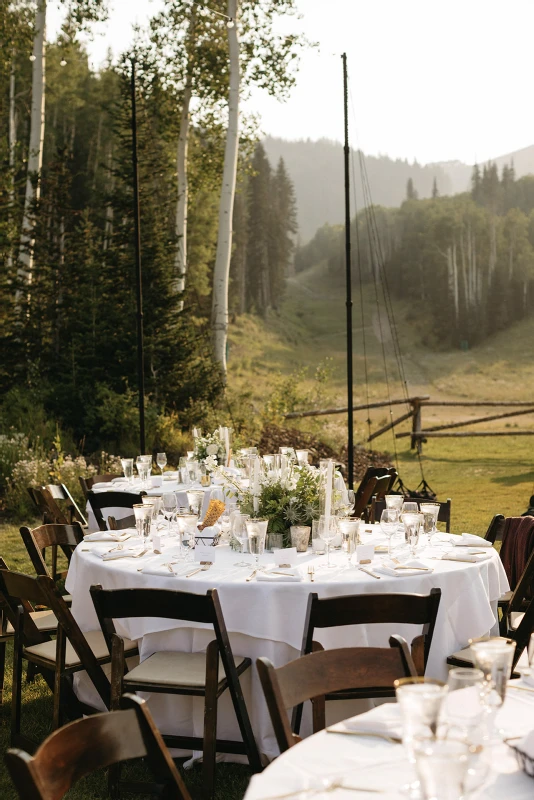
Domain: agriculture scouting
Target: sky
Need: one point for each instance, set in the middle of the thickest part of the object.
(433, 80)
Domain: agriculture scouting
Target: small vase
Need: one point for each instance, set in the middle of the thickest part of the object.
(300, 536)
(275, 541)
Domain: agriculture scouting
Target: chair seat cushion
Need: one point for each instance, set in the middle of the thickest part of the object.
(44, 621)
(175, 669)
(95, 640)
(515, 618)
(463, 656)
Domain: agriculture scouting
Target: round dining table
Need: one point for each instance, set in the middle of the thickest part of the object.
(265, 615)
(340, 765)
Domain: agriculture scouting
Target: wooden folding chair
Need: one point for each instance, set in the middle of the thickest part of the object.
(190, 674)
(101, 500)
(60, 494)
(58, 660)
(317, 675)
(371, 609)
(88, 483)
(64, 537)
(96, 742)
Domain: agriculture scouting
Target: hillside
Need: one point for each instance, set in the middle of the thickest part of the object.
(484, 476)
(316, 169)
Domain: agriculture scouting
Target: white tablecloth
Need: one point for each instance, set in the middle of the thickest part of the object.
(167, 486)
(367, 762)
(267, 619)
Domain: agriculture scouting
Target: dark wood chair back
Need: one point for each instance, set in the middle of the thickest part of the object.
(496, 529)
(317, 674)
(97, 742)
(370, 472)
(102, 500)
(121, 524)
(376, 609)
(62, 497)
(47, 506)
(364, 498)
(382, 486)
(19, 590)
(88, 483)
(66, 537)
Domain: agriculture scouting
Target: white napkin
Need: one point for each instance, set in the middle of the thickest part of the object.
(384, 720)
(126, 553)
(117, 480)
(106, 486)
(472, 558)
(526, 744)
(389, 567)
(470, 540)
(290, 575)
(109, 536)
(160, 569)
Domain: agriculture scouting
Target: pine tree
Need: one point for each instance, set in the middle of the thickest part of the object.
(258, 285)
(411, 193)
(283, 226)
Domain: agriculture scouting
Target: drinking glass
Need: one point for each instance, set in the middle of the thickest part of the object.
(150, 502)
(394, 501)
(441, 768)
(494, 656)
(195, 498)
(349, 529)
(318, 545)
(409, 507)
(302, 456)
(463, 709)
(389, 520)
(161, 461)
(327, 530)
(420, 701)
(238, 530)
(430, 513)
(127, 468)
(257, 533)
(169, 505)
(412, 528)
(143, 519)
(187, 525)
(183, 471)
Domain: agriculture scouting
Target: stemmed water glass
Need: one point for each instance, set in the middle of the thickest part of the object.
(494, 656)
(420, 701)
(412, 529)
(169, 506)
(127, 468)
(257, 533)
(389, 520)
(238, 530)
(327, 530)
(430, 513)
(161, 461)
(349, 536)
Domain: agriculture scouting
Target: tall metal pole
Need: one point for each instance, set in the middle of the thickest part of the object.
(138, 273)
(348, 273)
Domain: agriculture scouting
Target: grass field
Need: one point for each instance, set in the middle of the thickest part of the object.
(483, 476)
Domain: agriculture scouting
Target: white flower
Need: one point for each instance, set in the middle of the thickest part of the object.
(211, 463)
(212, 450)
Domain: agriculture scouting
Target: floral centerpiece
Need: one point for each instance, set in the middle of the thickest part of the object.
(285, 500)
(209, 450)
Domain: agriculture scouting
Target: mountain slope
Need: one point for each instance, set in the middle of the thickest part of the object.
(316, 169)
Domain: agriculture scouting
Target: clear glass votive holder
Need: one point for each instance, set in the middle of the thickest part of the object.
(318, 544)
(300, 537)
(275, 541)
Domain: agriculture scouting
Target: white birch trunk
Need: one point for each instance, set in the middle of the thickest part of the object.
(35, 151)
(221, 272)
(12, 142)
(180, 257)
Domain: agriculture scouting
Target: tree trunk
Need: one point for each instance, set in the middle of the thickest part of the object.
(180, 256)
(221, 271)
(35, 152)
(12, 145)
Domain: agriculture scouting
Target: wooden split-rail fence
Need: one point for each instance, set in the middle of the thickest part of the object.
(419, 434)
